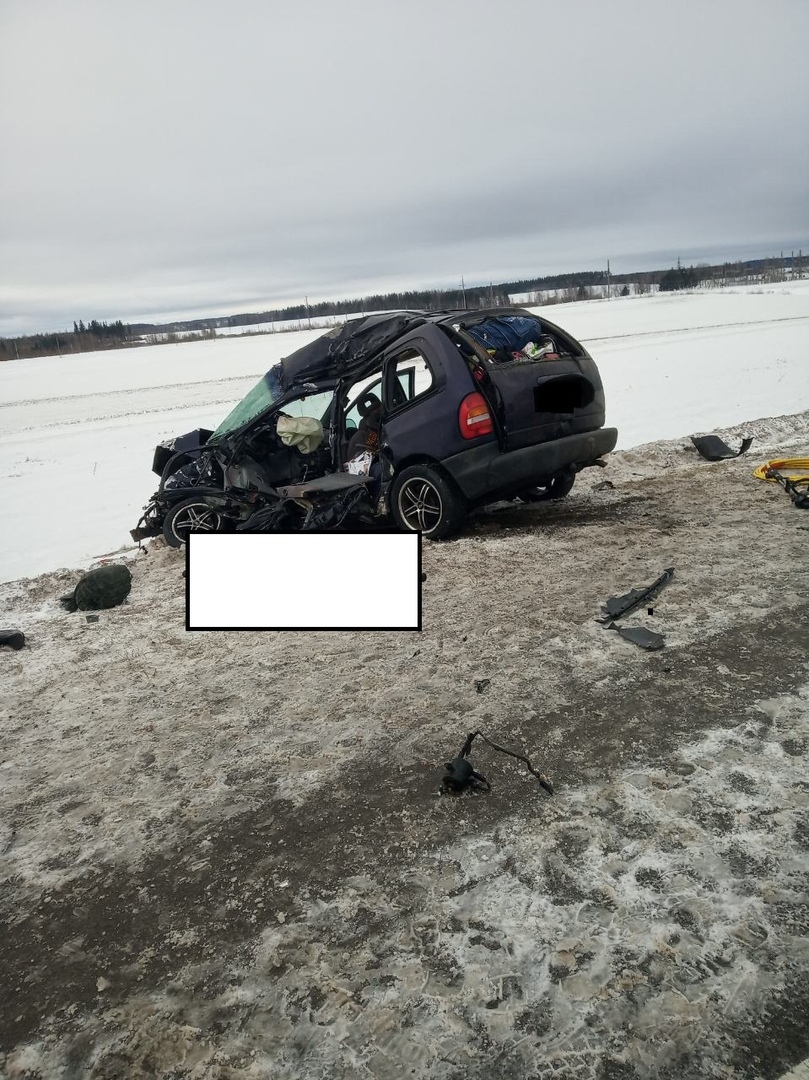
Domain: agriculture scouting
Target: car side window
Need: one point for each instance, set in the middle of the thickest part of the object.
(356, 394)
(411, 377)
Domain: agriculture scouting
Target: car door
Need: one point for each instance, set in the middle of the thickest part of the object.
(414, 403)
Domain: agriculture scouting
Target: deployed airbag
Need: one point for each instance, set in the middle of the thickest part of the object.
(305, 432)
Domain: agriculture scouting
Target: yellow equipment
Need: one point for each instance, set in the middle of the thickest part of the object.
(779, 465)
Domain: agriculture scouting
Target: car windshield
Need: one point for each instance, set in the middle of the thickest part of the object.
(266, 391)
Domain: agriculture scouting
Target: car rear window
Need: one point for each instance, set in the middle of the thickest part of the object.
(510, 338)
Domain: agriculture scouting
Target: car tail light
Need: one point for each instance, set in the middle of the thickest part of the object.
(474, 418)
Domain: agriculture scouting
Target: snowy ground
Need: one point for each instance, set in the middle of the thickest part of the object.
(222, 856)
(77, 433)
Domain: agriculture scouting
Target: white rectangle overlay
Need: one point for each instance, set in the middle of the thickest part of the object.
(303, 581)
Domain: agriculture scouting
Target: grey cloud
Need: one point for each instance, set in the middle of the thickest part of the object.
(188, 157)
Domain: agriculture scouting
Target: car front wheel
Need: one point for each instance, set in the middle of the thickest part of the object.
(422, 500)
(187, 516)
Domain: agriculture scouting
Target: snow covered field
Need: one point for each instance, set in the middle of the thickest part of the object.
(78, 432)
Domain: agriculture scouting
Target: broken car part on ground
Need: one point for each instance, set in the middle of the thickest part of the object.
(712, 448)
(617, 606)
(415, 417)
(639, 635)
(460, 776)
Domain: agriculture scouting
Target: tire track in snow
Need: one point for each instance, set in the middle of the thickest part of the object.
(89, 422)
(758, 323)
(21, 402)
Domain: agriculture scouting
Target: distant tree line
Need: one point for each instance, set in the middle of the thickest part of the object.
(84, 338)
(576, 286)
(679, 277)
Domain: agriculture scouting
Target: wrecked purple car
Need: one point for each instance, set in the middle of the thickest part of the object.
(411, 417)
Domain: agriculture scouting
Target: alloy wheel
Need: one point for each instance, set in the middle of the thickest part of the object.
(420, 505)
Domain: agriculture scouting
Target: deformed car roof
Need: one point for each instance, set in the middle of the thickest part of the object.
(357, 341)
(346, 346)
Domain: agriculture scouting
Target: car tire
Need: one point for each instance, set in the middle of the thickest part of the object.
(423, 500)
(556, 489)
(187, 515)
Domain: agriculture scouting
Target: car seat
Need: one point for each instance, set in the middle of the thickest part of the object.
(366, 437)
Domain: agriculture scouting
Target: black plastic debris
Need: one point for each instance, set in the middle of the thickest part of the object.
(15, 639)
(617, 606)
(712, 448)
(105, 587)
(461, 776)
(639, 635)
(481, 684)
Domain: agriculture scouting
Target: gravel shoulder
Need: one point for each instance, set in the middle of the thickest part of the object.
(223, 855)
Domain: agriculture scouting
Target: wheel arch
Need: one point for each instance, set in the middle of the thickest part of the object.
(424, 459)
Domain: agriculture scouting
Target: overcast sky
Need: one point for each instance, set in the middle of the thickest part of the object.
(168, 158)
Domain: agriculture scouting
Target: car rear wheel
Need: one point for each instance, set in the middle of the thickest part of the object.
(187, 516)
(556, 489)
(422, 500)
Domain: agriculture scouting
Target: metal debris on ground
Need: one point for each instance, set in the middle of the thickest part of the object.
(712, 448)
(639, 635)
(617, 606)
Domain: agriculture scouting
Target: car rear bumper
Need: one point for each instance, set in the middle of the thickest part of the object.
(485, 472)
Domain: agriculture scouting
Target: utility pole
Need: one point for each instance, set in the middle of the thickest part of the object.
(609, 291)
(463, 293)
(308, 316)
